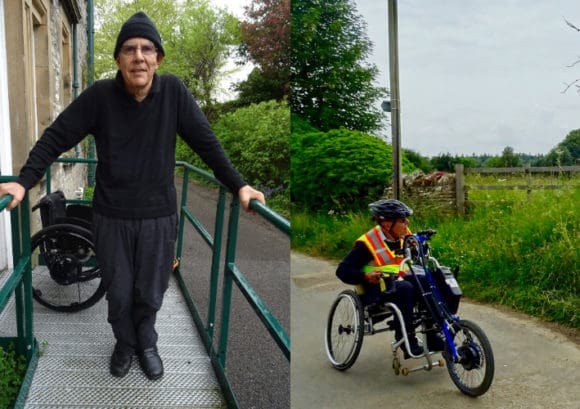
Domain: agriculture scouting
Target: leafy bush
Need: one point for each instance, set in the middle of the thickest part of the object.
(256, 141)
(300, 126)
(12, 368)
(339, 169)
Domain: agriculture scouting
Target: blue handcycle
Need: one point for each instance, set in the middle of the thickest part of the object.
(464, 347)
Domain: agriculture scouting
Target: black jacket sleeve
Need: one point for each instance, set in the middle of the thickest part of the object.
(69, 128)
(350, 269)
(194, 129)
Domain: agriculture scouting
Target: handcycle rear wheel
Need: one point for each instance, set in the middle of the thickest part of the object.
(66, 276)
(474, 372)
(344, 330)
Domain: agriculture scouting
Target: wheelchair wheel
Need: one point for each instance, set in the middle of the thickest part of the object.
(473, 373)
(65, 274)
(344, 330)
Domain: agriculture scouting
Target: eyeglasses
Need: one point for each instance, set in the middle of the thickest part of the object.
(146, 50)
(404, 220)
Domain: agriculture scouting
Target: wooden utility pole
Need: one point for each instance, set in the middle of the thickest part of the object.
(395, 102)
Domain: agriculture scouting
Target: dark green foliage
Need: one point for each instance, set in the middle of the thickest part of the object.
(339, 170)
(12, 371)
(332, 85)
(508, 159)
(446, 162)
(420, 162)
(256, 141)
(258, 87)
(300, 126)
(566, 153)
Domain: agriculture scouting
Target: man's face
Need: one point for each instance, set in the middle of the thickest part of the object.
(399, 227)
(138, 60)
(396, 228)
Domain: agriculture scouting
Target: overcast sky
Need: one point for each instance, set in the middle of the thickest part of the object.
(477, 76)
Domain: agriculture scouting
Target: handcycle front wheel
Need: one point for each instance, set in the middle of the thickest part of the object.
(474, 371)
(344, 330)
(66, 276)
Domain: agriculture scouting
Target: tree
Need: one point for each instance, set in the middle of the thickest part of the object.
(266, 42)
(446, 163)
(258, 88)
(197, 37)
(576, 81)
(332, 86)
(419, 161)
(566, 152)
(508, 159)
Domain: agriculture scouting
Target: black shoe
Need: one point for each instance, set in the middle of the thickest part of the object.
(120, 363)
(151, 363)
(416, 349)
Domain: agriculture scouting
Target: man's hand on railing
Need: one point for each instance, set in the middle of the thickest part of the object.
(16, 190)
(247, 193)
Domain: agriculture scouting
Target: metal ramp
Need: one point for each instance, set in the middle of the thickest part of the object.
(73, 368)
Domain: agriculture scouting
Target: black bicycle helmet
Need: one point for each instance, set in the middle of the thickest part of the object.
(390, 209)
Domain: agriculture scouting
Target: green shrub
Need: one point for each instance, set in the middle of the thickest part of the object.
(256, 141)
(12, 369)
(339, 169)
(300, 126)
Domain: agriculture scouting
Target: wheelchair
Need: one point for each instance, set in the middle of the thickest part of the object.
(66, 276)
(463, 346)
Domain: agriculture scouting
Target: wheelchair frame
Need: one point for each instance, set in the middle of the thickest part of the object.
(64, 279)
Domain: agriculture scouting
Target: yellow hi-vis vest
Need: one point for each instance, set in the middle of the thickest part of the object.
(383, 257)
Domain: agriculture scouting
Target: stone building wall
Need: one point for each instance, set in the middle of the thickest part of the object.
(39, 48)
(67, 177)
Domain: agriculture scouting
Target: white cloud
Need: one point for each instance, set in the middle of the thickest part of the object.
(478, 76)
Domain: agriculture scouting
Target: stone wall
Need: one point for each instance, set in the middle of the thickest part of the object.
(70, 178)
(434, 192)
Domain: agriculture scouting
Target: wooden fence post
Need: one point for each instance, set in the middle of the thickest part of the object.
(459, 189)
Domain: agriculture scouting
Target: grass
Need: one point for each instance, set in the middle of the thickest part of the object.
(513, 249)
(12, 369)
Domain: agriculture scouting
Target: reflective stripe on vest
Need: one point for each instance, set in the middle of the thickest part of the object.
(383, 258)
(374, 239)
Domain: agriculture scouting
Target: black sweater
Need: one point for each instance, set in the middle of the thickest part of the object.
(135, 144)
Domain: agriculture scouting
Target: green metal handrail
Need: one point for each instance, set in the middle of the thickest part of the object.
(19, 283)
(231, 275)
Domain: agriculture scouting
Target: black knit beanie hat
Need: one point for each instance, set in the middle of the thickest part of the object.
(138, 25)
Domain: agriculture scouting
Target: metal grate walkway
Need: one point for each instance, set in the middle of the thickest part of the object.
(73, 369)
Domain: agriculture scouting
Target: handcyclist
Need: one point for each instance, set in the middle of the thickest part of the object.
(373, 254)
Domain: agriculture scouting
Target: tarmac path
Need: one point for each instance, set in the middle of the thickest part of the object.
(257, 370)
(535, 367)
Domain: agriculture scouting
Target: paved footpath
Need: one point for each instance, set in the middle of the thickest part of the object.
(535, 368)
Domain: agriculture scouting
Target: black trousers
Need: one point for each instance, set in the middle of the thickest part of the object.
(402, 294)
(135, 256)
